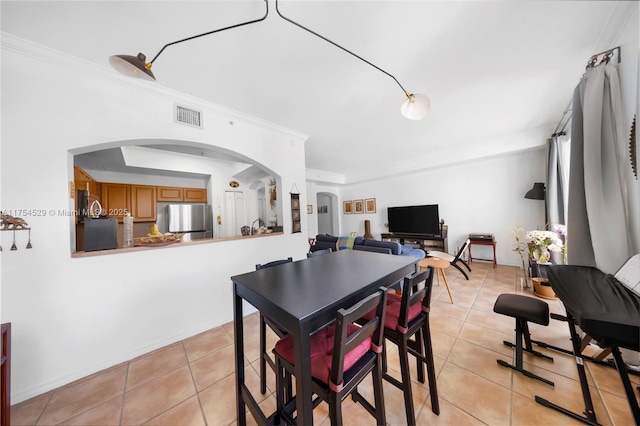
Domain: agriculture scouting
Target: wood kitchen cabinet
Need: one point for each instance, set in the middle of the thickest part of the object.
(173, 193)
(169, 193)
(143, 203)
(116, 199)
(195, 195)
(84, 181)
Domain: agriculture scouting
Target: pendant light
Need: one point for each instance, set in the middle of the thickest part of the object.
(415, 107)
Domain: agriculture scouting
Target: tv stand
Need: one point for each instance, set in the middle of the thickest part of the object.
(421, 241)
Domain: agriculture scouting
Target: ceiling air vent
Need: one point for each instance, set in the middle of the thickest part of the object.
(188, 116)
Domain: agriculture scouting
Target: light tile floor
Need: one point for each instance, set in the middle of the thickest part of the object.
(192, 382)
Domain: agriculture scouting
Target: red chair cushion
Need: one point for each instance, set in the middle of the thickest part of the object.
(322, 351)
(393, 311)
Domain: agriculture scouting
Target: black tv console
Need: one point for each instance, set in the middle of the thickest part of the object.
(424, 242)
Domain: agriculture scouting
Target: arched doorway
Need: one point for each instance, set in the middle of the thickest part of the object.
(327, 213)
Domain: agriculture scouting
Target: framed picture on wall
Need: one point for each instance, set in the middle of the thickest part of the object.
(370, 205)
(295, 212)
(358, 206)
(347, 207)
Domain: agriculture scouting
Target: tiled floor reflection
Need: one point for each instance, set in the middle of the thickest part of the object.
(192, 382)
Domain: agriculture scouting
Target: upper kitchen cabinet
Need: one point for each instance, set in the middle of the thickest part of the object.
(138, 200)
(172, 193)
(116, 199)
(195, 195)
(84, 181)
(143, 203)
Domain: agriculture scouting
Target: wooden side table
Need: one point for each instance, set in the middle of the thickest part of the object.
(483, 243)
(439, 265)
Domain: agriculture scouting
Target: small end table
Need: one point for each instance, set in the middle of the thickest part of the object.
(483, 243)
(439, 265)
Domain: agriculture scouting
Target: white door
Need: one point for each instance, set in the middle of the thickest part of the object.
(233, 218)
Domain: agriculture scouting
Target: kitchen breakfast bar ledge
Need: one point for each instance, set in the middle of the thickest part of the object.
(174, 245)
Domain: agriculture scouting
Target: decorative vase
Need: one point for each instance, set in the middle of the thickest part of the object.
(367, 229)
(542, 288)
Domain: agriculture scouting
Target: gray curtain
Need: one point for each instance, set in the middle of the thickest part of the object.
(558, 180)
(598, 223)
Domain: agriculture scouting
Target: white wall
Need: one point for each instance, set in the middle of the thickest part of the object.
(74, 316)
(482, 196)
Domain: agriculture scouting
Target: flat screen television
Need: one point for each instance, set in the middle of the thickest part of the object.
(423, 220)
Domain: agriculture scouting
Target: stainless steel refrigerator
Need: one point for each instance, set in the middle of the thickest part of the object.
(194, 220)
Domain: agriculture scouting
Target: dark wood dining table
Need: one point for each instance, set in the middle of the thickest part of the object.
(303, 297)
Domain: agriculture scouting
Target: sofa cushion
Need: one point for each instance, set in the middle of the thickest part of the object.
(395, 247)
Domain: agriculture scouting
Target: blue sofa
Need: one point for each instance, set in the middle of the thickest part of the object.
(324, 241)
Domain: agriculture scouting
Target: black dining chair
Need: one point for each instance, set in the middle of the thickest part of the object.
(342, 356)
(319, 252)
(407, 316)
(265, 358)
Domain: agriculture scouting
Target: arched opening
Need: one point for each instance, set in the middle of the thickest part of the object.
(236, 188)
(328, 213)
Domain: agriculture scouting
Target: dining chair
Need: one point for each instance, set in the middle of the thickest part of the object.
(319, 252)
(407, 316)
(453, 260)
(342, 355)
(265, 358)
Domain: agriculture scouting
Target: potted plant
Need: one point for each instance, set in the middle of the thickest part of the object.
(540, 245)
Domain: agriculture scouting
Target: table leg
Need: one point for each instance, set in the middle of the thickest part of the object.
(304, 402)
(446, 283)
(238, 331)
(494, 255)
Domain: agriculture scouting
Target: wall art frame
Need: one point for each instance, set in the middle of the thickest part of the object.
(358, 206)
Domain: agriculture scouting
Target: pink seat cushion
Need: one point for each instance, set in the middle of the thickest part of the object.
(322, 351)
(393, 311)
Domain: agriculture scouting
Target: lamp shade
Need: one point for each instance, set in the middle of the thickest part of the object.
(537, 192)
(132, 66)
(416, 107)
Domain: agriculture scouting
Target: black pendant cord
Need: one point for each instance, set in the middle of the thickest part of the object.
(266, 3)
(340, 47)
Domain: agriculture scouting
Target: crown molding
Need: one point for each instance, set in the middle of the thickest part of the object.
(40, 53)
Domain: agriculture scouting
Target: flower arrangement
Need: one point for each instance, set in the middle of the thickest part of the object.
(541, 244)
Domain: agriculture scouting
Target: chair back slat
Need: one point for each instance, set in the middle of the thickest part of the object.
(273, 263)
(344, 343)
(412, 295)
(319, 252)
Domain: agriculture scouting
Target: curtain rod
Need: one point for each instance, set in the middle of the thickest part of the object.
(595, 60)
(561, 130)
(601, 57)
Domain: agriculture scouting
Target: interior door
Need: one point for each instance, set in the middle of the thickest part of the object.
(234, 217)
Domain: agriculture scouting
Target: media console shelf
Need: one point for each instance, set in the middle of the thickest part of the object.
(423, 242)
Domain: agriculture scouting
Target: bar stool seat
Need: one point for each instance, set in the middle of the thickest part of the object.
(524, 309)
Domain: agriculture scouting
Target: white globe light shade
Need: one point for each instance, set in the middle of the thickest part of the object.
(416, 107)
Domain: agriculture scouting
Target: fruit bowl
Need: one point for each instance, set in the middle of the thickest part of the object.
(157, 239)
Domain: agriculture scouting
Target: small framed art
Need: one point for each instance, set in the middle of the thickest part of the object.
(358, 206)
(347, 207)
(370, 205)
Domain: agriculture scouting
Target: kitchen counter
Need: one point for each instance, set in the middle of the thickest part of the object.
(180, 244)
